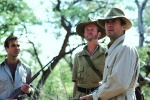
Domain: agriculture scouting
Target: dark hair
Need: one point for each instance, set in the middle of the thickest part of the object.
(8, 39)
(122, 22)
(98, 28)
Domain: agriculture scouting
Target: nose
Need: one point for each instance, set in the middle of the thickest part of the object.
(89, 31)
(109, 24)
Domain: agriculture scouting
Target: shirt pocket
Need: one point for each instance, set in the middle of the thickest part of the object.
(80, 74)
(109, 69)
(3, 83)
(24, 75)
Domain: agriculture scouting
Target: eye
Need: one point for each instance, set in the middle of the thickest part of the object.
(13, 45)
(106, 21)
(86, 29)
(114, 21)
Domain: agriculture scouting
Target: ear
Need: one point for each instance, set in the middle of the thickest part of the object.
(99, 35)
(123, 26)
(6, 49)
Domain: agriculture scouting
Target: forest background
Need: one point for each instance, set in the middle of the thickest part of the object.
(46, 29)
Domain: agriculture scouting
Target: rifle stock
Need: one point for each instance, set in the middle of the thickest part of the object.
(18, 91)
(15, 93)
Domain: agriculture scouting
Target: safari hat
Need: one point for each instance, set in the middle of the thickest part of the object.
(115, 13)
(80, 28)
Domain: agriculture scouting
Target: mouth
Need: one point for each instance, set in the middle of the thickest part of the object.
(110, 30)
(17, 52)
(89, 35)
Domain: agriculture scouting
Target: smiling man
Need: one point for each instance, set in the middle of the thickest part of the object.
(84, 77)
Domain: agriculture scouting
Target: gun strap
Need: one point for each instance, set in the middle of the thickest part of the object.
(91, 64)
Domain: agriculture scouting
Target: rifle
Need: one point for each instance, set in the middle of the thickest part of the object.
(18, 91)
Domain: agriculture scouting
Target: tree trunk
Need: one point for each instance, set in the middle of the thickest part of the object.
(140, 21)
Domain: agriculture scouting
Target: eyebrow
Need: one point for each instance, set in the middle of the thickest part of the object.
(14, 45)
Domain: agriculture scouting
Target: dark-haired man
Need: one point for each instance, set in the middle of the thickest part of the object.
(13, 72)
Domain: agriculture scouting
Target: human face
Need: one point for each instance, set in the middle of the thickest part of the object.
(13, 49)
(113, 28)
(91, 32)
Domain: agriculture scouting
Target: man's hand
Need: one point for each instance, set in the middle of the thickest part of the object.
(25, 88)
(87, 97)
(100, 83)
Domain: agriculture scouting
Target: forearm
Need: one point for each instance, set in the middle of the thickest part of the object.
(74, 88)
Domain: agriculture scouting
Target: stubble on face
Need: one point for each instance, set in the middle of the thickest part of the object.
(91, 32)
(14, 49)
(91, 39)
(113, 28)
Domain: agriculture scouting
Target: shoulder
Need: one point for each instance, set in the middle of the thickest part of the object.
(2, 63)
(128, 47)
(102, 49)
(81, 53)
(25, 66)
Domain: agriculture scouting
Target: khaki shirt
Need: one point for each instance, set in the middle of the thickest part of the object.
(120, 73)
(83, 73)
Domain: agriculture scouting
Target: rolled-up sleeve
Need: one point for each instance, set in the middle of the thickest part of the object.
(74, 69)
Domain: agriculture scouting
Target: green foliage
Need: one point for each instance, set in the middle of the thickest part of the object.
(58, 86)
(75, 12)
(146, 92)
(143, 55)
(147, 23)
(146, 15)
(14, 13)
(1, 57)
(143, 52)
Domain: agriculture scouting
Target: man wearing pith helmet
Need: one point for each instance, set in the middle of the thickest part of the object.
(84, 77)
(122, 63)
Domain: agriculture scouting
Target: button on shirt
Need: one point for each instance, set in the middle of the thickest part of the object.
(83, 73)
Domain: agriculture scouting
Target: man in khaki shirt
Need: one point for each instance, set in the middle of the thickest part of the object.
(84, 78)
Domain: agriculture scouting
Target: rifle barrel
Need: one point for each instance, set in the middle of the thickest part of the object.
(18, 91)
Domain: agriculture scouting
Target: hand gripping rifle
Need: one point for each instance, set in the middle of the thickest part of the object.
(18, 91)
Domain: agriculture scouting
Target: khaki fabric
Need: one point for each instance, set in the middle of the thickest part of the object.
(120, 73)
(83, 73)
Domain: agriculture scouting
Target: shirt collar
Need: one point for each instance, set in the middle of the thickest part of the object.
(115, 43)
(93, 52)
(4, 62)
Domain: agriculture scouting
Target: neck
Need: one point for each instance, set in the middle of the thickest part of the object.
(91, 46)
(114, 38)
(12, 60)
